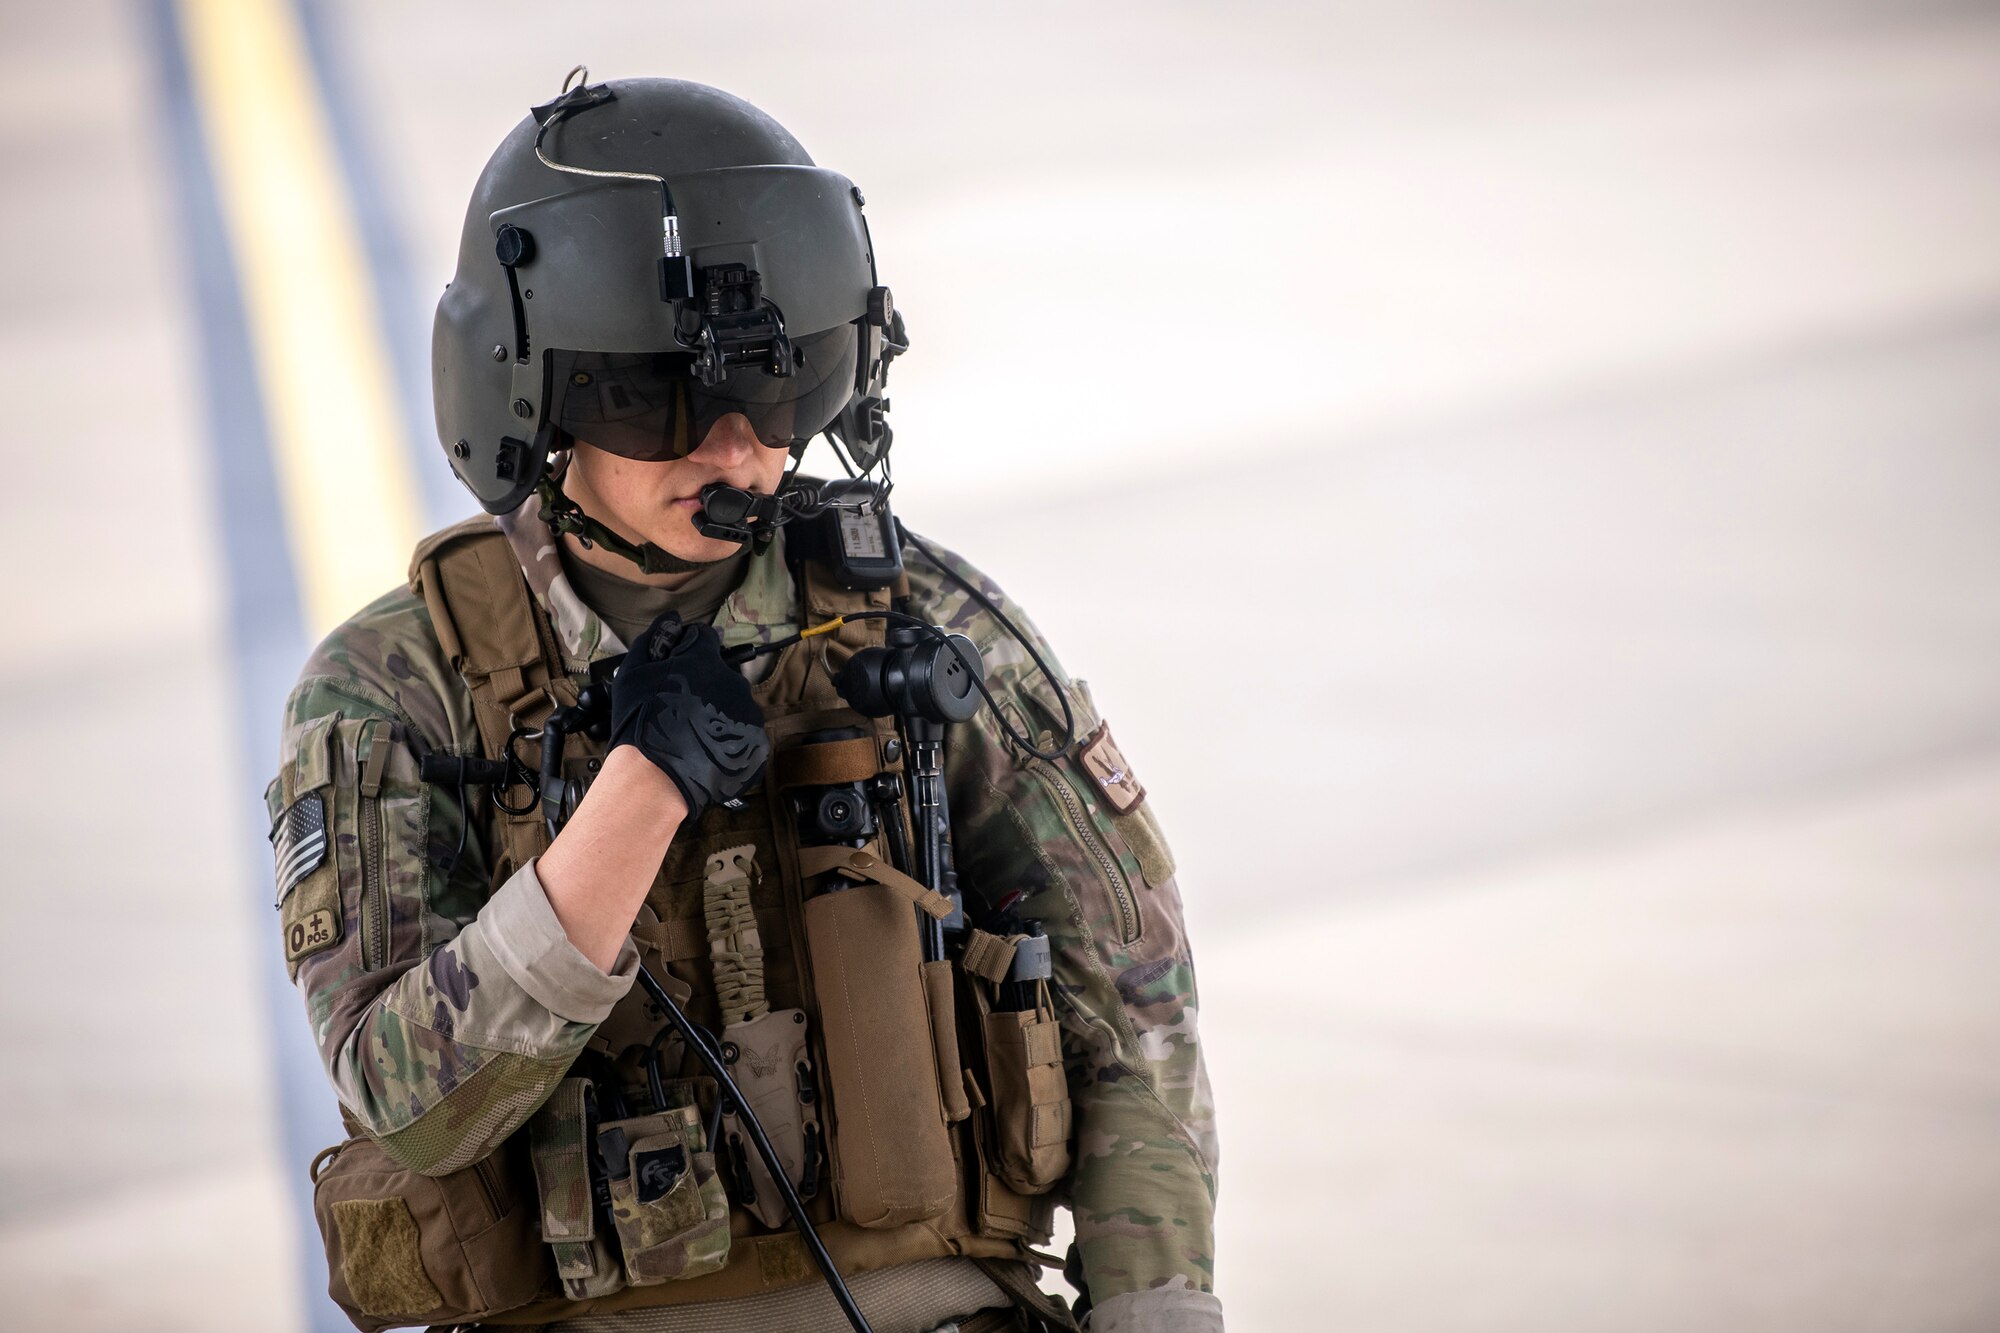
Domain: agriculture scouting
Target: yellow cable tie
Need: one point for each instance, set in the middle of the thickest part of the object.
(827, 628)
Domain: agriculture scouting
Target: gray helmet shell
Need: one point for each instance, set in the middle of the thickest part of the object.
(588, 277)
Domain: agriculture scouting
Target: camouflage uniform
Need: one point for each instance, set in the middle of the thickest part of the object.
(444, 1024)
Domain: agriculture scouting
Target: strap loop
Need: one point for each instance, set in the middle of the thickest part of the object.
(563, 514)
(987, 956)
(827, 763)
(868, 868)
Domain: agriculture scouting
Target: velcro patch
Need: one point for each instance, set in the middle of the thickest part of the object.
(309, 934)
(299, 842)
(782, 1259)
(1106, 765)
(381, 1258)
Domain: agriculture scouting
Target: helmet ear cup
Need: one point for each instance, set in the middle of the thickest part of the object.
(491, 449)
(863, 425)
(863, 430)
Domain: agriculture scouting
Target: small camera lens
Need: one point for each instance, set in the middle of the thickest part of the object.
(841, 814)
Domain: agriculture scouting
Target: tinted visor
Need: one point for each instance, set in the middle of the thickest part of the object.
(649, 406)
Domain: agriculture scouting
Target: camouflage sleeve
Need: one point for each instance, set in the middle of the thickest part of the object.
(1078, 839)
(444, 1016)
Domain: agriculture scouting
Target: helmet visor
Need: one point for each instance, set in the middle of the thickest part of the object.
(650, 406)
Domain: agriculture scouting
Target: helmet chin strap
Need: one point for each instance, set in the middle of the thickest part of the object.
(565, 515)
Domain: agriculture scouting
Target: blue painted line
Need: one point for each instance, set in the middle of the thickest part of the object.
(404, 301)
(266, 622)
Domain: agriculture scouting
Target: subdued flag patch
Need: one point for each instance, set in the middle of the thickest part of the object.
(299, 842)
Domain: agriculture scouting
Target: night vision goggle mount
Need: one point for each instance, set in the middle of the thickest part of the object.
(733, 324)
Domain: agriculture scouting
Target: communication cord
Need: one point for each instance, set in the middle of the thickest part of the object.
(746, 652)
(720, 1071)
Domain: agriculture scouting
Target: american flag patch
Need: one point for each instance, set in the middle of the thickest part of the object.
(300, 841)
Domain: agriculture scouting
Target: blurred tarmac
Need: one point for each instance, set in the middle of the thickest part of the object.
(1571, 695)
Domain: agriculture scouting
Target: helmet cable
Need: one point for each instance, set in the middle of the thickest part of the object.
(577, 95)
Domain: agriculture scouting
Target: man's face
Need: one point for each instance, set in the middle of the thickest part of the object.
(655, 502)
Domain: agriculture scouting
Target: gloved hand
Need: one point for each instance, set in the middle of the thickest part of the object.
(689, 712)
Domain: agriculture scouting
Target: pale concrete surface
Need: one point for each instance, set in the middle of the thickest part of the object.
(186, 1256)
(1591, 870)
(1430, 648)
(1739, 1076)
(138, 1173)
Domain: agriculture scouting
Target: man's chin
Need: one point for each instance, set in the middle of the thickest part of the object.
(710, 550)
(683, 541)
(675, 533)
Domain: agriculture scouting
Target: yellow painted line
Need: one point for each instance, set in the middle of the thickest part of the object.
(342, 464)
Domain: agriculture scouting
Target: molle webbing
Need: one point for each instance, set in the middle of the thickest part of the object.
(866, 868)
(484, 614)
(827, 764)
(673, 941)
(989, 956)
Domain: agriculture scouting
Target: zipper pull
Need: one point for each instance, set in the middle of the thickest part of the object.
(376, 761)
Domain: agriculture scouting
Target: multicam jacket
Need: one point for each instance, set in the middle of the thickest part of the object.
(446, 1013)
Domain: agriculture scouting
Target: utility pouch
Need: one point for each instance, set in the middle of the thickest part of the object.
(1031, 1111)
(559, 1146)
(404, 1248)
(1031, 1095)
(1030, 1108)
(893, 1161)
(667, 1202)
(996, 1209)
(938, 997)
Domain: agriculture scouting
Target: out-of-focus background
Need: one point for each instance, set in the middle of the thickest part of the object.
(1524, 480)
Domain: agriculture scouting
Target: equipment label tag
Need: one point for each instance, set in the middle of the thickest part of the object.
(1106, 765)
(659, 1171)
(861, 536)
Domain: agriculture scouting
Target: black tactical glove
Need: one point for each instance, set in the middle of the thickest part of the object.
(689, 712)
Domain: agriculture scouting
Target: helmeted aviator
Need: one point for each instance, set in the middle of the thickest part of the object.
(641, 258)
(910, 974)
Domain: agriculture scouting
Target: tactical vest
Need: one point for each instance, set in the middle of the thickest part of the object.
(936, 1125)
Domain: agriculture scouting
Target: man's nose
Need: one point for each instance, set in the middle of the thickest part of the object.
(728, 442)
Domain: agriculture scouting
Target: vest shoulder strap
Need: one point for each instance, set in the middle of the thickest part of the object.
(486, 616)
(498, 640)
(476, 526)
